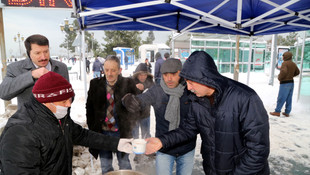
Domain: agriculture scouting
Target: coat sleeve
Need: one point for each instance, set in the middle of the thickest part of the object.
(148, 98)
(157, 69)
(283, 71)
(20, 151)
(255, 134)
(64, 71)
(90, 115)
(296, 72)
(13, 84)
(187, 131)
(92, 139)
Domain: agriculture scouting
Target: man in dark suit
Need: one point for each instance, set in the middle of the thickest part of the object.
(22, 75)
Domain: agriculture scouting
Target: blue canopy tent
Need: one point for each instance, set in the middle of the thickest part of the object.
(242, 17)
(238, 17)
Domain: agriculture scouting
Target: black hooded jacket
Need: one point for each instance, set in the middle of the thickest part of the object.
(34, 142)
(234, 129)
(147, 84)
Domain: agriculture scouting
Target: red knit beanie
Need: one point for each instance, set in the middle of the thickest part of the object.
(52, 87)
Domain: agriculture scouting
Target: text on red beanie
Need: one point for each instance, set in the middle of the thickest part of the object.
(52, 87)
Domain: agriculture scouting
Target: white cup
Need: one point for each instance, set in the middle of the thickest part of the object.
(138, 146)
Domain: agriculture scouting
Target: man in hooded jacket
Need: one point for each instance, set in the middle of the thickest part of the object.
(286, 77)
(230, 117)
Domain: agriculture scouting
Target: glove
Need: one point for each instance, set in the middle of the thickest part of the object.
(124, 145)
(131, 103)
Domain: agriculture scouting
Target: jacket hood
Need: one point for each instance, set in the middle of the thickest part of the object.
(200, 67)
(287, 56)
(141, 68)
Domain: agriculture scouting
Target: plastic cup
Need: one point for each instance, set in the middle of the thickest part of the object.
(138, 146)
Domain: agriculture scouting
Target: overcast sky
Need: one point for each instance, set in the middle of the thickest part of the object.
(45, 21)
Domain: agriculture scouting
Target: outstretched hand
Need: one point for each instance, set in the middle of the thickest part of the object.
(131, 103)
(124, 145)
(153, 145)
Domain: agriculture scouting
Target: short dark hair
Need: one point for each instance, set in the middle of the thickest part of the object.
(113, 58)
(157, 55)
(35, 39)
(166, 55)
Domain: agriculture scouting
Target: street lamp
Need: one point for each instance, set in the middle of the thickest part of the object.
(66, 27)
(19, 39)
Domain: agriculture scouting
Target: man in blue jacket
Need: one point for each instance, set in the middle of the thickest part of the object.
(171, 104)
(230, 117)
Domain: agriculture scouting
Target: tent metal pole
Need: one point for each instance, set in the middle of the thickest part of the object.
(239, 11)
(3, 54)
(236, 67)
(84, 62)
(190, 44)
(296, 53)
(301, 63)
(194, 10)
(287, 10)
(247, 24)
(119, 8)
(249, 62)
(273, 58)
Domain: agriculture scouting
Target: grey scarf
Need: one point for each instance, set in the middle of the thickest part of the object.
(172, 113)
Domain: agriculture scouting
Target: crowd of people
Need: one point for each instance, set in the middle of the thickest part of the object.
(189, 99)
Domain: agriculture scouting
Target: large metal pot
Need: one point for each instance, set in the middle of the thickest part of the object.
(124, 172)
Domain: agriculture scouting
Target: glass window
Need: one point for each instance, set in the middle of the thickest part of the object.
(245, 56)
(212, 53)
(197, 49)
(225, 44)
(260, 45)
(224, 55)
(211, 43)
(224, 68)
(197, 43)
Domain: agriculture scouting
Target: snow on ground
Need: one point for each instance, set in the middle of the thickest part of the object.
(289, 136)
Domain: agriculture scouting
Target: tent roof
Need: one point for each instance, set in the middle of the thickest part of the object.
(243, 17)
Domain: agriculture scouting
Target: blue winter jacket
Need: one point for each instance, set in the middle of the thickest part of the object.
(156, 97)
(234, 129)
(97, 66)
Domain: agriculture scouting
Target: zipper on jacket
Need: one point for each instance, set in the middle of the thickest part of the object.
(62, 126)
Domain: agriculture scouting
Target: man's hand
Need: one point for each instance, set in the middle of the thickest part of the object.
(37, 73)
(124, 145)
(131, 103)
(153, 145)
(140, 86)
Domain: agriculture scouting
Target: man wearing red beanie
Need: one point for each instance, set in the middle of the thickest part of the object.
(39, 137)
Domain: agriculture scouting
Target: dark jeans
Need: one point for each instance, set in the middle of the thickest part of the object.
(106, 157)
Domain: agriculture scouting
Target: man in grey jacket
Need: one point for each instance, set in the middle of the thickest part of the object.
(22, 75)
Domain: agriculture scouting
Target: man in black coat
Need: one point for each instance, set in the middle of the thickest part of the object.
(106, 114)
(230, 117)
(39, 137)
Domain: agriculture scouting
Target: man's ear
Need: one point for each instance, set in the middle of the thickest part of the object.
(120, 71)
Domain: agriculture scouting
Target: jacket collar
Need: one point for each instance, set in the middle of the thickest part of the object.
(28, 64)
